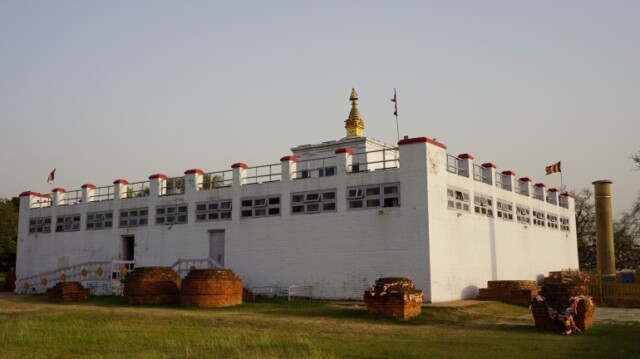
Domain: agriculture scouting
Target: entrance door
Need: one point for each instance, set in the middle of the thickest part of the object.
(216, 246)
(128, 244)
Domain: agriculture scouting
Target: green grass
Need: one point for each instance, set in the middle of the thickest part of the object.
(31, 327)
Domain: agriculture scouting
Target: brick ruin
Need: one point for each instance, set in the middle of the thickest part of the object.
(209, 288)
(151, 286)
(68, 292)
(394, 297)
(518, 292)
(558, 290)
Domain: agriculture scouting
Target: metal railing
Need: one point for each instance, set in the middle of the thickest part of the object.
(263, 174)
(102, 272)
(288, 291)
(184, 266)
(137, 189)
(173, 186)
(43, 201)
(213, 180)
(453, 164)
(102, 194)
(478, 173)
(71, 198)
(317, 167)
(387, 158)
(500, 183)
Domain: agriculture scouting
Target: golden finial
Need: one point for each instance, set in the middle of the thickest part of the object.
(354, 124)
(354, 95)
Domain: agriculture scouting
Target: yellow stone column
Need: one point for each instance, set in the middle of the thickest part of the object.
(604, 228)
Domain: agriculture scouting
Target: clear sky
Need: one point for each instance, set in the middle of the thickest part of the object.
(103, 90)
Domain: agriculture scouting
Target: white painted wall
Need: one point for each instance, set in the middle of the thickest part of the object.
(339, 253)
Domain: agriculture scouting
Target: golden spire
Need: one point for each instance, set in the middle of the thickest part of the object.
(354, 124)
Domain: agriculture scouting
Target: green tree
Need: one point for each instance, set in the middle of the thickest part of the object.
(9, 209)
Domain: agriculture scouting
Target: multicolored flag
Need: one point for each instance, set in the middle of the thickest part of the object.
(395, 103)
(51, 177)
(553, 168)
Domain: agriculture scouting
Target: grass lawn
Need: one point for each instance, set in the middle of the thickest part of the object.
(31, 327)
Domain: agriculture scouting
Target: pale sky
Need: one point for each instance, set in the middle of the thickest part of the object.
(103, 90)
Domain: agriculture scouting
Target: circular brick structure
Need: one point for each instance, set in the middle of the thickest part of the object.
(152, 285)
(209, 288)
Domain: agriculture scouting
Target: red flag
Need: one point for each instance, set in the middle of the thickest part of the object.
(395, 103)
(51, 177)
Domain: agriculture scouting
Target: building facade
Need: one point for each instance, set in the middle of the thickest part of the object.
(333, 216)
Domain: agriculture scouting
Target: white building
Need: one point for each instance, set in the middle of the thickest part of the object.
(334, 216)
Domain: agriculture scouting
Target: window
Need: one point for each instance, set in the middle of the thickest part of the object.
(99, 220)
(552, 221)
(565, 224)
(40, 225)
(523, 215)
(313, 202)
(68, 223)
(134, 217)
(458, 199)
(172, 214)
(538, 218)
(375, 196)
(213, 211)
(483, 205)
(355, 193)
(505, 210)
(260, 206)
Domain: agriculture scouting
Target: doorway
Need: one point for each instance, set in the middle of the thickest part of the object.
(216, 246)
(128, 245)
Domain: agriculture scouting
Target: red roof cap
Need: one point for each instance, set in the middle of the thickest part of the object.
(194, 170)
(158, 176)
(465, 156)
(120, 181)
(289, 158)
(239, 165)
(88, 185)
(344, 150)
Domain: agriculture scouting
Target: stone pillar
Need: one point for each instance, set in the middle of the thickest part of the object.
(87, 192)
(239, 173)
(157, 185)
(488, 173)
(508, 178)
(58, 196)
(343, 161)
(604, 228)
(465, 164)
(288, 167)
(119, 189)
(193, 180)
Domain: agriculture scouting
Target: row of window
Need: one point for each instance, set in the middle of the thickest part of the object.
(483, 205)
(375, 196)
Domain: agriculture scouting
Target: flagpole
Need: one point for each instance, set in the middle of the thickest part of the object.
(397, 128)
(395, 112)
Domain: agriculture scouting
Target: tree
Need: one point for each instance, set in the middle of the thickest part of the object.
(9, 209)
(586, 229)
(635, 157)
